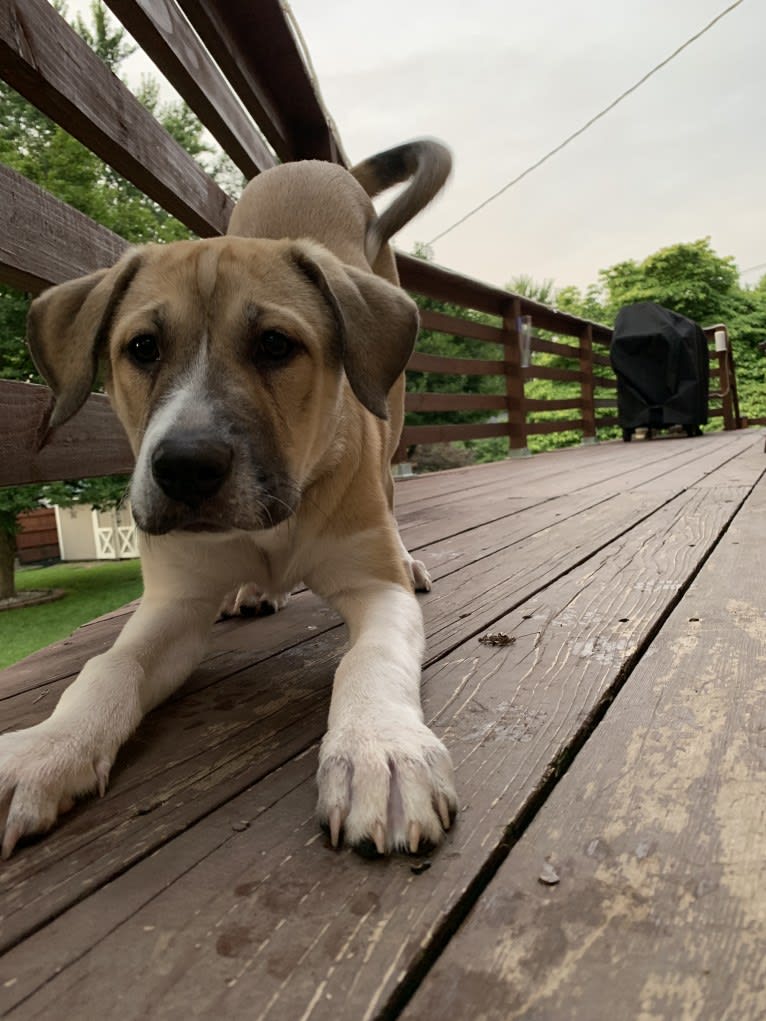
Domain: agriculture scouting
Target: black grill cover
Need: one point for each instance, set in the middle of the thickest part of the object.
(662, 366)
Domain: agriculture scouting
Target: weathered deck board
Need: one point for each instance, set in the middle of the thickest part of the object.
(468, 557)
(423, 523)
(240, 701)
(509, 716)
(657, 832)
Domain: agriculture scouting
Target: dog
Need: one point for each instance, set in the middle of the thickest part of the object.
(260, 379)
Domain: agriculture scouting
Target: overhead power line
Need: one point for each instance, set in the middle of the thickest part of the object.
(761, 265)
(589, 123)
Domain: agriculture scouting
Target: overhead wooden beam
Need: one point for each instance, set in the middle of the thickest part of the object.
(256, 50)
(51, 66)
(165, 35)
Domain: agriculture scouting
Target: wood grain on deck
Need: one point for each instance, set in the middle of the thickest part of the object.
(159, 901)
(657, 834)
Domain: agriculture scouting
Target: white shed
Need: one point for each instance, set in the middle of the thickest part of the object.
(89, 534)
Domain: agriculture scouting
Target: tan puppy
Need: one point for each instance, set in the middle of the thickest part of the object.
(259, 379)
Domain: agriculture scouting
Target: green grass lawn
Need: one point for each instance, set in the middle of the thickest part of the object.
(91, 589)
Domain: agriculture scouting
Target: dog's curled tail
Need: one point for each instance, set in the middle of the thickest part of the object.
(426, 162)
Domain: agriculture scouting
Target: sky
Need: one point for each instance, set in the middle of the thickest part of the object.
(503, 81)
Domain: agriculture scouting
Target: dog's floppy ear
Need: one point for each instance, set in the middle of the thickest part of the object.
(377, 323)
(66, 327)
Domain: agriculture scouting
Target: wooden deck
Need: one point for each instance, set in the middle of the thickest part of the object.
(617, 747)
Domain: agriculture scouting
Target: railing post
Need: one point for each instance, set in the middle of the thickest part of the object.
(727, 375)
(733, 387)
(728, 387)
(587, 386)
(514, 380)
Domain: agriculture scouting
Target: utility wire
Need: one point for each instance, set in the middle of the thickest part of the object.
(588, 124)
(761, 265)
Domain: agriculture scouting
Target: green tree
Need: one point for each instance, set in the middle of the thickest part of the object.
(588, 304)
(689, 278)
(543, 291)
(692, 279)
(40, 150)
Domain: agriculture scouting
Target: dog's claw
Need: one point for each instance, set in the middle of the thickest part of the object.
(12, 836)
(414, 837)
(101, 768)
(379, 836)
(335, 822)
(444, 813)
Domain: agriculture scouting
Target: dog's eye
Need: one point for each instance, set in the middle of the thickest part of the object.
(274, 346)
(144, 349)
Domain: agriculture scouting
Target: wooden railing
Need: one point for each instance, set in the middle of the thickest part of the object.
(724, 399)
(237, 69)
(584, 344)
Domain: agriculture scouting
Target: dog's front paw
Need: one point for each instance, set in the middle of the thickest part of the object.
(385, 790)
(249, 601)
(42, 771)
(421, 578)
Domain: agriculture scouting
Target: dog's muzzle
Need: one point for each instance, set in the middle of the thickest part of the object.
(191, 468)
(209, 480)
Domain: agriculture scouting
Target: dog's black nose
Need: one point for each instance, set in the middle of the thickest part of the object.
(191, 468)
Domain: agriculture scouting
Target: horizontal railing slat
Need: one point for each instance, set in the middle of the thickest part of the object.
(556, 426)
(44, 241)
(449, 433)
(454, 402)
(455, 366)
(562, 404)
(90, 444)
(51, 66)
(432, 320)
(554, 348)
(547, 372)
(435, 282)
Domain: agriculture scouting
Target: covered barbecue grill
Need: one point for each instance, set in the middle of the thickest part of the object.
(662, 365)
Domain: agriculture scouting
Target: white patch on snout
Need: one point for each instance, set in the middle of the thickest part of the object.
(187, 406)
